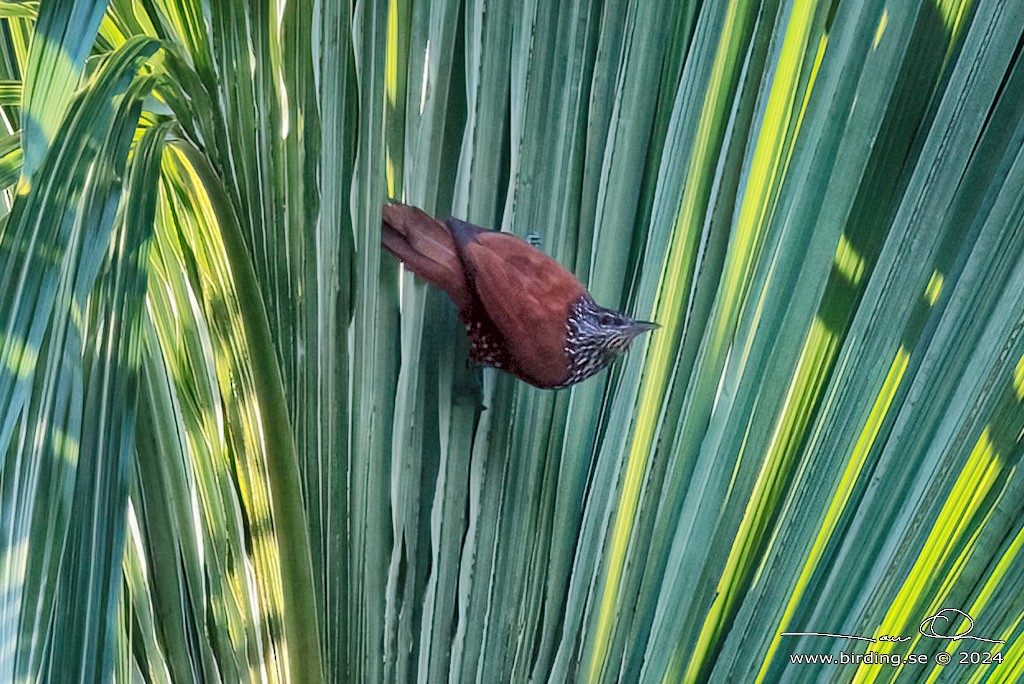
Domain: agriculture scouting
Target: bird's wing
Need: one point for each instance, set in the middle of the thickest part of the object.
(527, 295)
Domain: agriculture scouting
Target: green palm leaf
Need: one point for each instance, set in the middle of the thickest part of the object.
(239, 443)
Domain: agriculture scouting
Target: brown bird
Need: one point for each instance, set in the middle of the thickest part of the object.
(524, 313)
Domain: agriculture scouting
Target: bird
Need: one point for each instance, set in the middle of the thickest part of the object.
(525, 314)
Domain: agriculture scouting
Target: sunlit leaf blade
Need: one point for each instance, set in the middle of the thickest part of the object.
(63, 38)
(10, 92)
(11, 158)
(261, 179)
(55, 245)
(84, 630)
(22, 9)
(206, 453)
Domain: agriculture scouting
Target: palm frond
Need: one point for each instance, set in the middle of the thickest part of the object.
(239, 443)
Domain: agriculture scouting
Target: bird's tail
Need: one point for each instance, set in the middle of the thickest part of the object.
(426, 247)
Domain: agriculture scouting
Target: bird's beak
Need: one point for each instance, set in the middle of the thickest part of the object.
(638, 327)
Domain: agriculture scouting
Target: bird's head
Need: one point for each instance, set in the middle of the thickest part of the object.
(596, 336)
